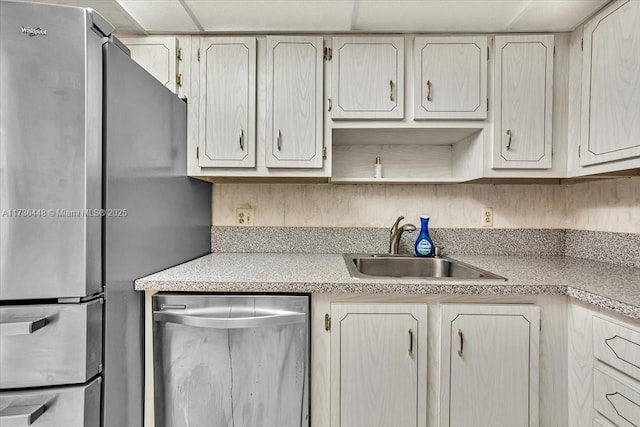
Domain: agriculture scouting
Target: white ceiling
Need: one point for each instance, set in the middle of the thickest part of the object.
(194, 16)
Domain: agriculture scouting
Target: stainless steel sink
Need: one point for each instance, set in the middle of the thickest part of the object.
(368, 266)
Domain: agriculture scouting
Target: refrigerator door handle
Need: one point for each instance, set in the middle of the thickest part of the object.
(22, 326)
(270, 318)
(22, 415)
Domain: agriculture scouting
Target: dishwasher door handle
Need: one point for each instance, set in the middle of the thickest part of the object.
(276, 319)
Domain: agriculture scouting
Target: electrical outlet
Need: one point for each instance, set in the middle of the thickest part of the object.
(487, 217)
(244, 217)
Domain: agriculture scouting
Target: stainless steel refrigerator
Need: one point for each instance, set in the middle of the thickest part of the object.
(93, 194)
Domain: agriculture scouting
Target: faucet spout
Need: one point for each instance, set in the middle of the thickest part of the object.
(396, 234)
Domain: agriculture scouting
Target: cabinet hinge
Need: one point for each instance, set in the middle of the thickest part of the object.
(328, 54)
(327, 322)
(179, 54)
(581, 44)
(324, 153)
(179, 80)
(329, 104)
(198, 54)
(198, 153)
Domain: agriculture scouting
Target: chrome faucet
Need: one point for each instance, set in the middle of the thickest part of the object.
(396, 233)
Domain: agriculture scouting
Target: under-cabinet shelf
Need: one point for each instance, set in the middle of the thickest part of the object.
(409, 155)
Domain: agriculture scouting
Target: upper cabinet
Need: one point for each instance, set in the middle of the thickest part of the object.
(294, 102)
(367, 78)
(523, 101)
(227, 135)
(610, 128)
(160, 57)
(450, 77)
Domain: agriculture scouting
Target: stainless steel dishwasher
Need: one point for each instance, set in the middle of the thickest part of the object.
(231, 360)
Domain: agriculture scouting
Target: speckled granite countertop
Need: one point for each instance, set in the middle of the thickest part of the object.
(605, 285)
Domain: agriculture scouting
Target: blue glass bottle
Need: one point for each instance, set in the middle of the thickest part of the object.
(424, 245)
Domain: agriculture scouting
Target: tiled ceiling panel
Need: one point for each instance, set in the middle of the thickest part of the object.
(420, 16)
(275, 15)
(158, 16)
(555, 15)
(436, 15)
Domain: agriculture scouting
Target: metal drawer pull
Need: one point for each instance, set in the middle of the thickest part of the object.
(391, 97)
(410, 342)
(21, 415)
(22, 327)
(242, 139)
(279, 139)
(428, 90)
(461, 349)
(267, 318)
(509, 142)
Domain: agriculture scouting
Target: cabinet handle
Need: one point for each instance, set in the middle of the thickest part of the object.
(428, 90)
(410, 342)
(509, 141)
(461, 349)
(391, 91)
(179, 80)
(279, 140)
(242, 139)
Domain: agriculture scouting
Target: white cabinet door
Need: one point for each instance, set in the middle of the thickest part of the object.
(159, 56)
(450, 77)
(489, 365)
(378, 365)
(227, 102)
(610, 128)
(523, 98)
(368, 78)
(294, 102)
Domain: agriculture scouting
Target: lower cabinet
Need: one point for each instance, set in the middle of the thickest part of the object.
(378, 364)
(489, 365)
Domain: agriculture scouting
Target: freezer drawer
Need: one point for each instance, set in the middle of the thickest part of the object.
(50, 344)
(231, 360)
(70, 406)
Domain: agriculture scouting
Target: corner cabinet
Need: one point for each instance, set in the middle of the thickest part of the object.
(610, 128)
(294, 102)
(450, 77)
(378, 364)
(523, 102)
(160, 56)
(227, 136)
(368, 78)
(489, 365)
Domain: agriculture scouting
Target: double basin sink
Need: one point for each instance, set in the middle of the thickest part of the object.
(401, 266)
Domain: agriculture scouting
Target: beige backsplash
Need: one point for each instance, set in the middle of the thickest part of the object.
(612, 205)
(608, 205)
